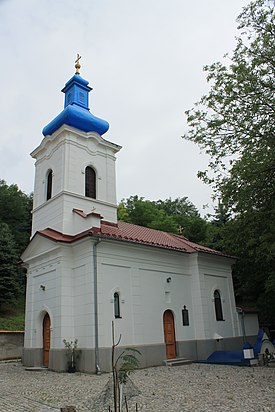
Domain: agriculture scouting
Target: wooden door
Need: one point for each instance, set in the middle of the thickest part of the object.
(46, 339)
(169, 334)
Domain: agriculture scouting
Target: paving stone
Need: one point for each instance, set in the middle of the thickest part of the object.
(196, 387)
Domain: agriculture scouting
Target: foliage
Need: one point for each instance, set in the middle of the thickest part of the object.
(174, 216)
(13, 315)
(216, 229)
(127, 363)
(72, 354)
(15, 211)
(234, 124)
(245, 237)
(16, 322)
(8, 259)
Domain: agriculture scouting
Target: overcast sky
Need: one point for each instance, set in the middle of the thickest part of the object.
(144, 60)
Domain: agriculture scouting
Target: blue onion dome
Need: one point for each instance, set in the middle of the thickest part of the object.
(76, 111)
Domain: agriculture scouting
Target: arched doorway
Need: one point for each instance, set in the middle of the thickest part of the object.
(46, 339)
(169, 334)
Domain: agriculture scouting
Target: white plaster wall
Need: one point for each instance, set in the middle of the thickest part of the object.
(52, 159)
(80, 155)
(113, 278)
(74, 224)
(66, 320)
(159, 296)
(39, 301)
(39, 185)
(41, 258)
(67, 153)
(139, 275)
(251, 324)
(223, 328)
(49, 215)
(201, 319)
(83, 290)
(216, 273)
(57, 213)
(67, 274)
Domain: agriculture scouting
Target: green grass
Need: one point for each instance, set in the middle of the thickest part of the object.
(12, 316)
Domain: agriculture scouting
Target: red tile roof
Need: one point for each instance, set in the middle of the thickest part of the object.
(135, 234)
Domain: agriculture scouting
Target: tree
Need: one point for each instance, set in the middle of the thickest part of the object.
(254, 269)
(234, 124)
(8, 267)
(15, 211)
(173, 216)
(216, 228)
(186, 216)
(139, 211)
(143, 212)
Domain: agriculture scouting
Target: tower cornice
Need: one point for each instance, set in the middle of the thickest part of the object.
(64, 130)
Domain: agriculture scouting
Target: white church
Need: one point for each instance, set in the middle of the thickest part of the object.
(168, 297)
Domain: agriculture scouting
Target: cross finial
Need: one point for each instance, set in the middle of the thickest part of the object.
(180, 230)
(77, 64)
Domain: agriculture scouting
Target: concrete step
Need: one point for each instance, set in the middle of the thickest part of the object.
(36, 368)
(177, 362)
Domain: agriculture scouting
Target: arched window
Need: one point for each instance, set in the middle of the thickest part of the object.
(49, 186)
(218, 305)
(90, 182)
(116, 305)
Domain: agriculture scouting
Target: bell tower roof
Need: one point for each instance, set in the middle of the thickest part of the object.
(76, 111)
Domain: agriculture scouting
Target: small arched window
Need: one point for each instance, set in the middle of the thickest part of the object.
(90, 182)
(218, 305)
(117, 305)
(49, 186)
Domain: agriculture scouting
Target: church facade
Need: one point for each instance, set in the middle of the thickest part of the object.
(168, 297)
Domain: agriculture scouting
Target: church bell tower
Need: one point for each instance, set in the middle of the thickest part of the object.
(75, 178)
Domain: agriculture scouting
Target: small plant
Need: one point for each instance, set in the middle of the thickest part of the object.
(125, 364)
(71, 353)
(268, 357)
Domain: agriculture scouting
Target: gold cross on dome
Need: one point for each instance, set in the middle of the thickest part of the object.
(77, 64)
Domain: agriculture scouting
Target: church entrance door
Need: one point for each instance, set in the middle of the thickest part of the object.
(46, 339)
(169, 334)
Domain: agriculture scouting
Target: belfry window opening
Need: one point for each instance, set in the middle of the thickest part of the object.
(90, 182)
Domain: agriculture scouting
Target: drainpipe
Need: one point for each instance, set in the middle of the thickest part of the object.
(240, 310)
(97, 368)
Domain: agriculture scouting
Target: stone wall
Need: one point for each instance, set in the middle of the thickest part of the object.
(11, 344)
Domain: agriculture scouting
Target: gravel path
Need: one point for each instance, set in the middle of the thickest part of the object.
(196, 387)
